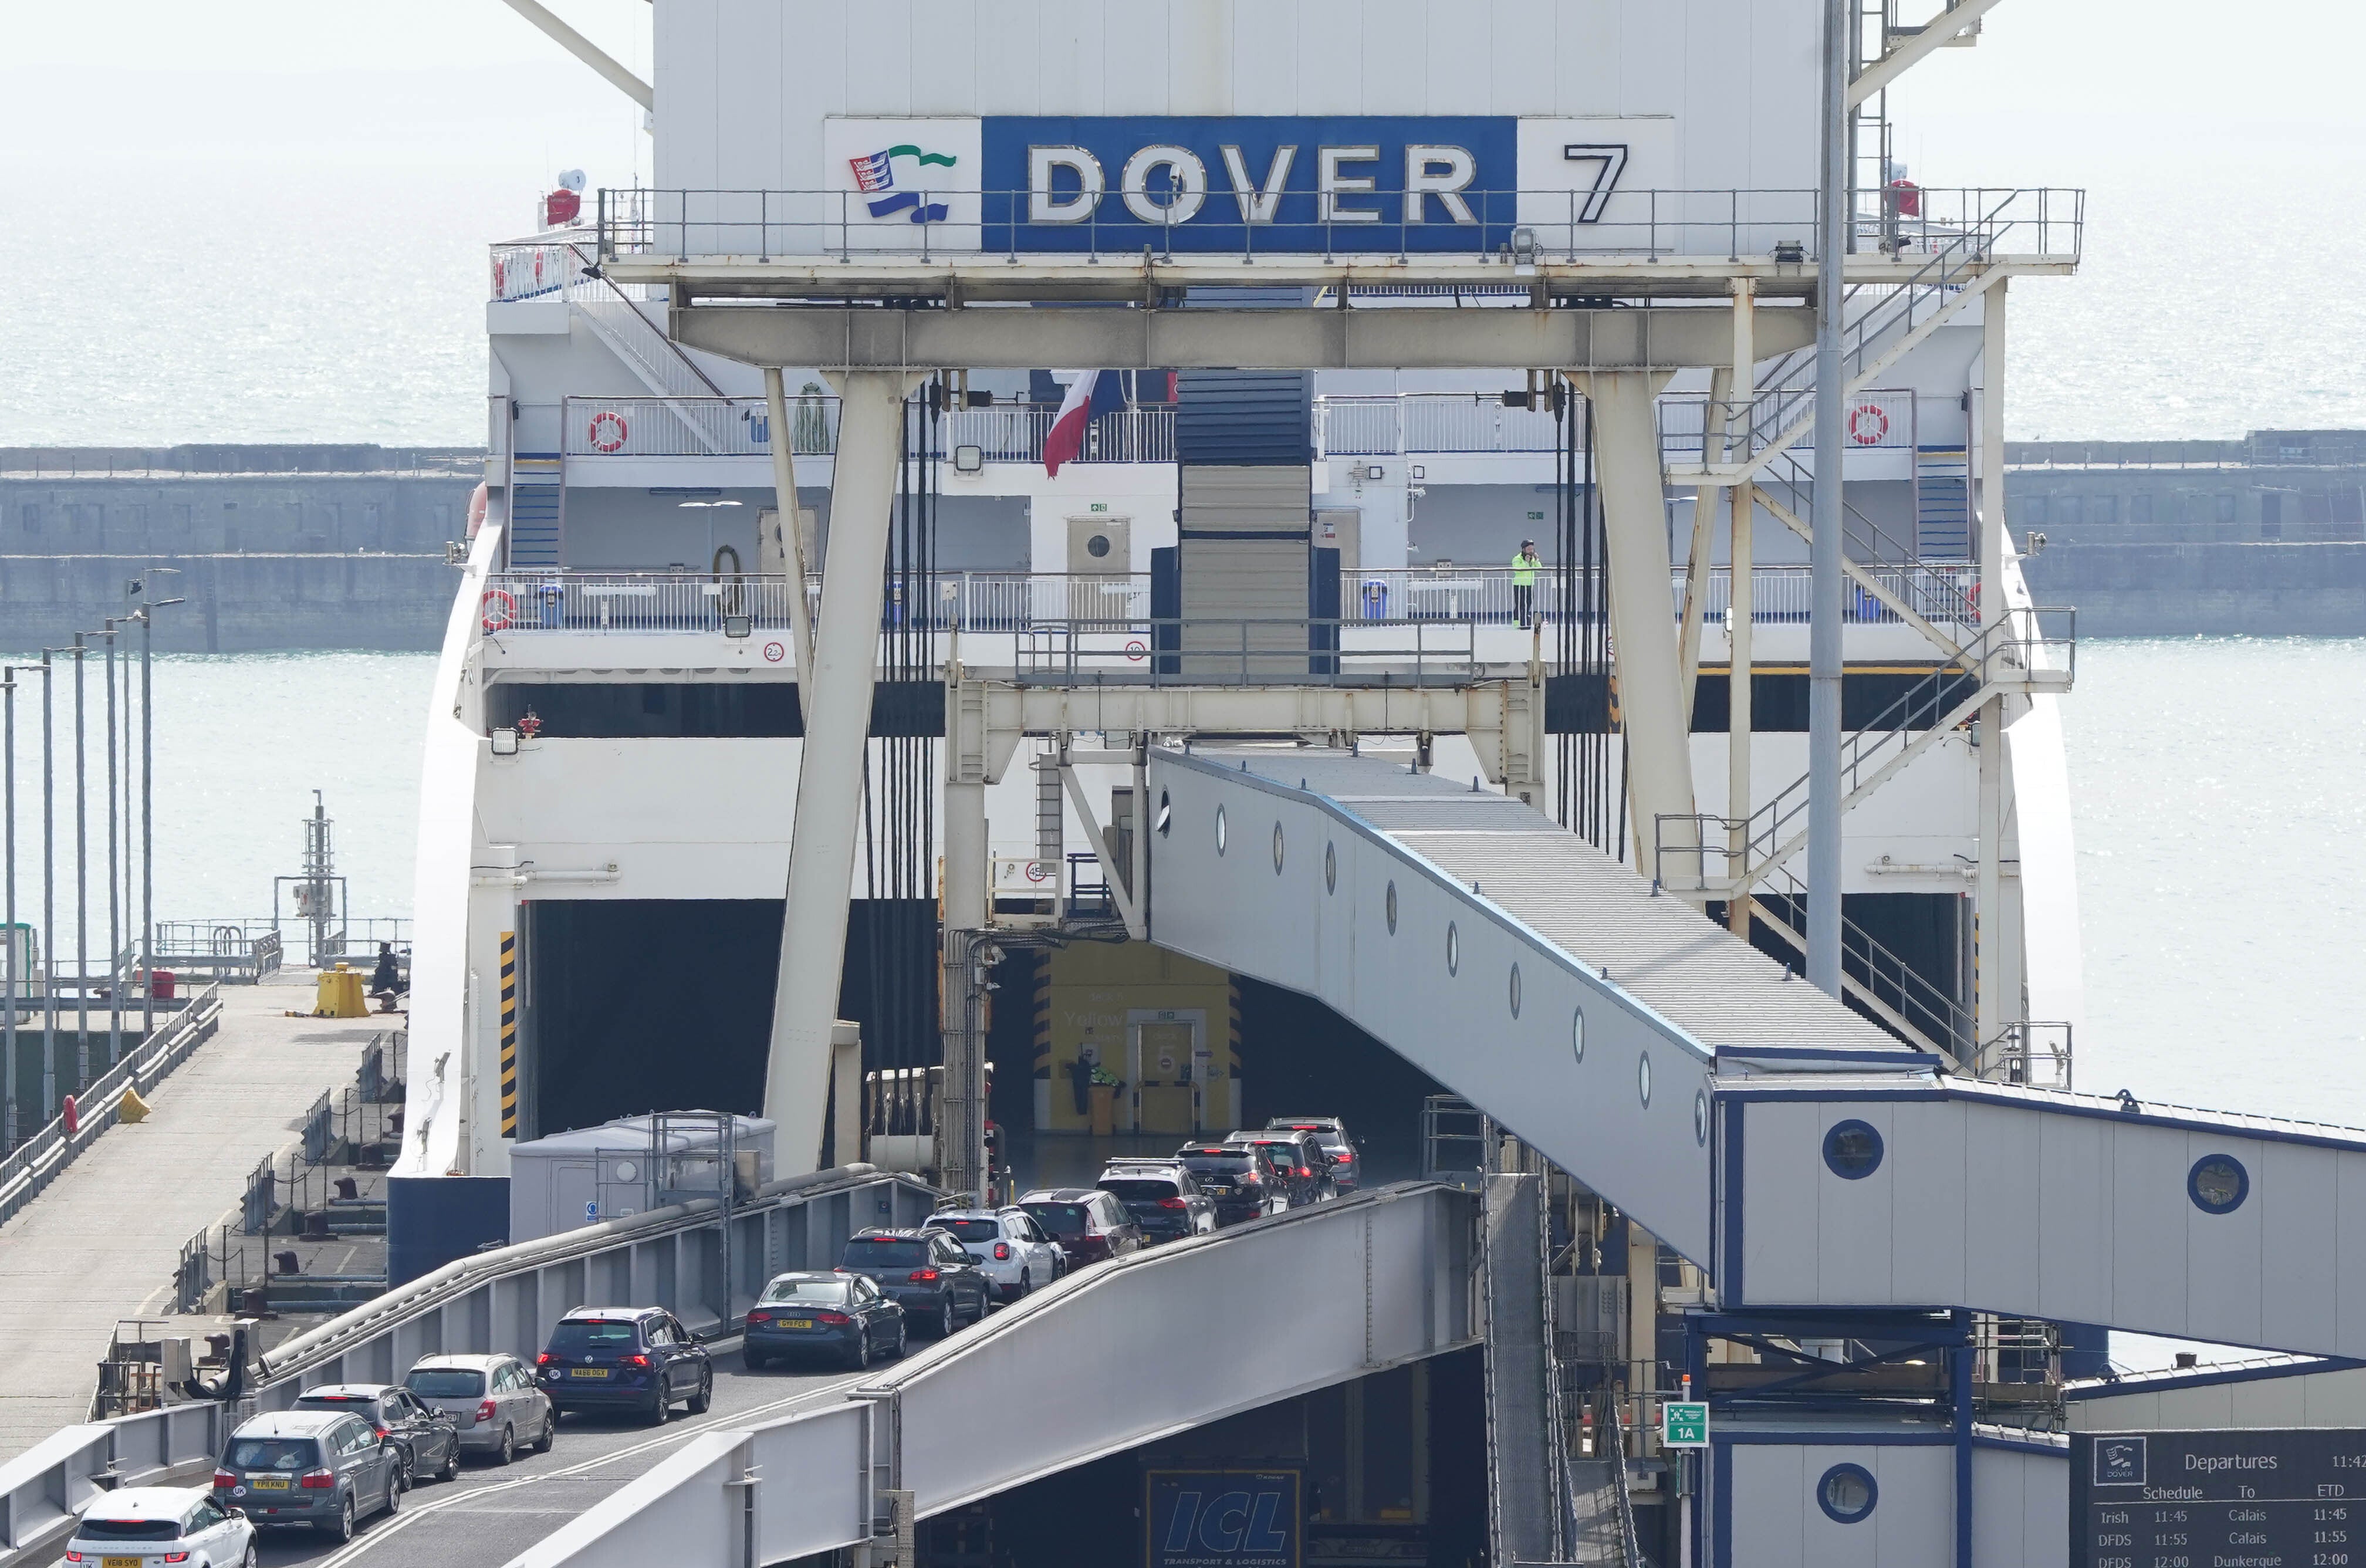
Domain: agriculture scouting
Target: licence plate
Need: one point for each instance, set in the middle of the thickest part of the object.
(796, 1323)
(587, 1372)
(121, 1562)
(269, 1483)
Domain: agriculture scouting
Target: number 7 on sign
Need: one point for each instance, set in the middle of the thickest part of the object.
(1612, 158)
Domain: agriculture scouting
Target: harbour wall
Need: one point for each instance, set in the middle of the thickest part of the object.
(292, 547)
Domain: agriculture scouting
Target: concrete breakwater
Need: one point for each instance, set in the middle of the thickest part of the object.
(276, 546)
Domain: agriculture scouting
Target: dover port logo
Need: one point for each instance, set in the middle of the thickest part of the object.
(874, 177)
(2119, 1461)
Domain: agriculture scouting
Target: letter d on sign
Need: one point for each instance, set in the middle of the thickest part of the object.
(1043, 206)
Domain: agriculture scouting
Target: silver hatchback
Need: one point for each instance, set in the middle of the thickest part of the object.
(493, 1398)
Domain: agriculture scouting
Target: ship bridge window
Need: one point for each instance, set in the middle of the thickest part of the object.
(625, 710)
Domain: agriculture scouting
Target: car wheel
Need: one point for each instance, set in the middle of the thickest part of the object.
(394, 1492)
(343, 1529)
(902, 1338)
(451, 1470)
(754, 1360)
(705, 1395)
(945, 1318)
(402, 1481)
(508, 1451)
(549, 1431)
(1026, 1284)
(660, 1407)
(860, 1355)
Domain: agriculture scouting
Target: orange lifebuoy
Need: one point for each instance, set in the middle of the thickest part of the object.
(608, 431)
(495, 620)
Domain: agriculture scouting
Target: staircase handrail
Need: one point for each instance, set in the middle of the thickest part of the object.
(1944, 1023)
(2012, 645)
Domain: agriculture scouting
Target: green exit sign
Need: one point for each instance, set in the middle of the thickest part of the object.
(1098, 506)
(1684, 1423)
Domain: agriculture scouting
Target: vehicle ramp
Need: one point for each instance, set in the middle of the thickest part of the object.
(1116, 1355)
(1801, 1154)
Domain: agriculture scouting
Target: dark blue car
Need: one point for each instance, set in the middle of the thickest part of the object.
(842, 1316)
(636, 1359)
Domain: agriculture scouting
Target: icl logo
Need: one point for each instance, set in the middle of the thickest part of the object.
(1232, 1522)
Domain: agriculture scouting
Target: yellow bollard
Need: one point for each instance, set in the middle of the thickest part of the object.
(340, 993)
(130, 1107)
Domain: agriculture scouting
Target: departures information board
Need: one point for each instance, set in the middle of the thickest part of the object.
(2222, 1499)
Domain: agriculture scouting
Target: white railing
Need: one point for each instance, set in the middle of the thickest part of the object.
(1429, 421)
(698, 426)
(515, 602)
(948, 218)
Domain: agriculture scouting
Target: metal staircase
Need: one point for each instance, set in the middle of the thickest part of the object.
(2023, 650)
(1942, 504)
(1883, 323)
(617, 321)
(537, 503)
(1890, 989)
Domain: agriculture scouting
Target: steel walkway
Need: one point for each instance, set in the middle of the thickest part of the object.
(1692, 1082)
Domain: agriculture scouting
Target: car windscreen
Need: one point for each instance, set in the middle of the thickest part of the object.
(826, 1293)
(1139, 1189)
(886, 1252)
(1061, 1219)
(1219, 1165)
(1283, 1153)
(447, 1382)
(273, 1453)
(596, 1336)
(970, 1230)
(129, 1529)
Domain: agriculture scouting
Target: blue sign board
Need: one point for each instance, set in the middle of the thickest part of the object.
(1249, 184)
(1222, 1518)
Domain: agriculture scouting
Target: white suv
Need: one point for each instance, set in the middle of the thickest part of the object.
(1016, 1253)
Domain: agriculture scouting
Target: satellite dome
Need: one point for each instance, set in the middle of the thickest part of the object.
(572, 179)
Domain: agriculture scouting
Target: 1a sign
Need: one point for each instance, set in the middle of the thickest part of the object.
(1684, 1423)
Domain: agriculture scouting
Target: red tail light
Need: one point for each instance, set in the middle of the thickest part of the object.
(545, 1360)
(382, 1433)
(224, 1481)
(318, 1480)
(176, 1557)
(922, 1276)
(1173, 1203)
(756, 1317)
(833, 1319)
(634, 1360)
(1343, 1159)
(1304, 1171)
(1002, 1252)
(485, 1411)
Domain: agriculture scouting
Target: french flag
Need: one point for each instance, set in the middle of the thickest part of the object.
(1090, 395)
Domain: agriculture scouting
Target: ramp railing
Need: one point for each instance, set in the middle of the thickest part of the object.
(35, 1163)
(43, 1490)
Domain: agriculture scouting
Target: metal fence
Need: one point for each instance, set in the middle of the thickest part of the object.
(595, 427)
(1160, 651)
(1512, 227)
(35, 1163)
(515, 602)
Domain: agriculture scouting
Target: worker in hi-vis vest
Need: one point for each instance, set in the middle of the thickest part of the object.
(1524, 582)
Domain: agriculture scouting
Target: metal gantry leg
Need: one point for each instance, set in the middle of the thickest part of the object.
(836, 693)
(1655, 713)
(1826, 544)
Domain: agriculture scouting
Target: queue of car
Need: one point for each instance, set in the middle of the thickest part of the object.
(347, 1452)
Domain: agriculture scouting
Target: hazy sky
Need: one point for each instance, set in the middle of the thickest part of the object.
(198, 198)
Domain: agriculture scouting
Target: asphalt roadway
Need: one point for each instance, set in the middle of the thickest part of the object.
(491, 1513)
